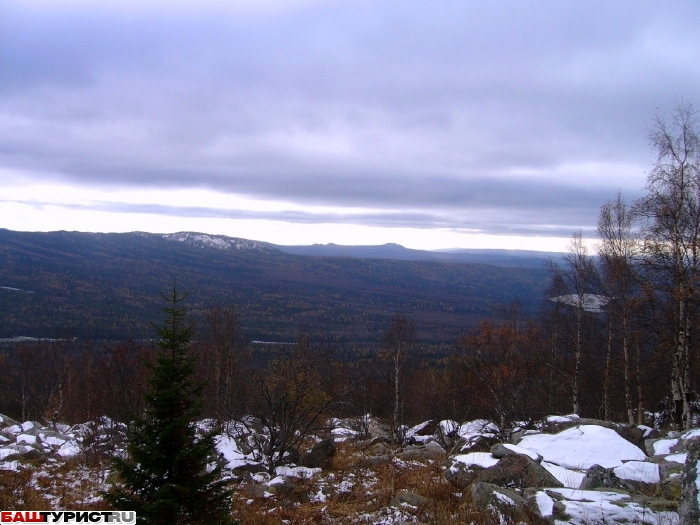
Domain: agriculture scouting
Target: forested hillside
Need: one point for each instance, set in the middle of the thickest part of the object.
(108, 286)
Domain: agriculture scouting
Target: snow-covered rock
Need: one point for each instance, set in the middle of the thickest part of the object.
(582, 447)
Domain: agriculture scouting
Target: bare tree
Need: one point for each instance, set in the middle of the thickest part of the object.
(671, 238)
(227, 356)
(578, 278)
(294, 392)
(398, 343)
(617, 250)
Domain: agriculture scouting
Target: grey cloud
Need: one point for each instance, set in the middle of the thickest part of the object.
(471, 219)
(389, 104)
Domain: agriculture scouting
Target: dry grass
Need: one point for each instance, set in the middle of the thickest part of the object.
(358, 494)
(53, 486)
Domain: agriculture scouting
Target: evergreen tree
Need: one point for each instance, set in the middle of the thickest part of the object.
(171, 474)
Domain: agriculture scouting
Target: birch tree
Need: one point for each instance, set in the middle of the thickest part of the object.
(671, 242)
(398, 341)
(617, 250)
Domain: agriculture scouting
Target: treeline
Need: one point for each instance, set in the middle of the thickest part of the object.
(614, 340)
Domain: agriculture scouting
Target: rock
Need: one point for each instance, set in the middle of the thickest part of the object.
(501, 450)
(414, 500)
(279, 486)
(633, 434)
(24, 453)
(544, 504)
(671, 489)
(477, 443)
(253, 490)
(428, 428)
(374, 461)
(668, 468)
(320, 456)
(378, 449)
(460, 475)
(291, 457)
(6, 421)
(243, 471)
(486, 496)
(598, 477)
(517, 471)
(630, 433)
(430, 450)
(688, 506)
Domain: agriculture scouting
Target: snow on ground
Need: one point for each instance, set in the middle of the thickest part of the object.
(583, 446)
(569, 478)
(677, 458)
(521, 450)
(664, 446)
(227, 447)
(297, 472)
(691, 434)
(480, 459)
(639, 471)
(545, 503)
(562, 419)
(592, 506)
(478, 426)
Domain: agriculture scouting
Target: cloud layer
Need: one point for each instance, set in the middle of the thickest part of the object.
(501, 117)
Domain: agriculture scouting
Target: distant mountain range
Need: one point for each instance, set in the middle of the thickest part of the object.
(510, 258)
(108, 286)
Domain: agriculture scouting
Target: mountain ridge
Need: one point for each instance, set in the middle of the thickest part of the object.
(108, 286)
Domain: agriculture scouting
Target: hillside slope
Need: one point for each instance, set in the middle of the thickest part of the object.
(94, 285)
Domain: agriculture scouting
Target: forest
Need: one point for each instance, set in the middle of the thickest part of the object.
(613, 339)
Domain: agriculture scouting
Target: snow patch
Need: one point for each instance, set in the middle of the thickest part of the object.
(639, 471)
(584, 446)
(480, 459)
(545, 504)
(569, 478)
(677, 458)
(664, 446)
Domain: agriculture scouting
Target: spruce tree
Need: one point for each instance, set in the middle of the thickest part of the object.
(170, 474)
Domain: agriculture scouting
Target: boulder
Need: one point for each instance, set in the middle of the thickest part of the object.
(374, 461)
(24, 453)
(430, 450)
(544, 504)
(501, 450)
(6, 421)
(598, 477)
(378, 449)
(279, 486)
(244, 471)
(689, 504)
(517, 471)
(291, 457)
(461, 475)
(486, 496)
(320, 456)
(630, 433)
(477, 443)
(408, 498)
(427, 429)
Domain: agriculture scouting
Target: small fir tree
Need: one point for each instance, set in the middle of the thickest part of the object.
(171, 474)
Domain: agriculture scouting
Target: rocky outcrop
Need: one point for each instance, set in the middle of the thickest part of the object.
(490, 497)
(320, 456)
(598, 477)
(517, 471)
(477, 443)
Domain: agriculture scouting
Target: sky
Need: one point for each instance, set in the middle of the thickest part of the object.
(472, 124)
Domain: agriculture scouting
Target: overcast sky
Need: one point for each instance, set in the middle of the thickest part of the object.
(432, 124)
